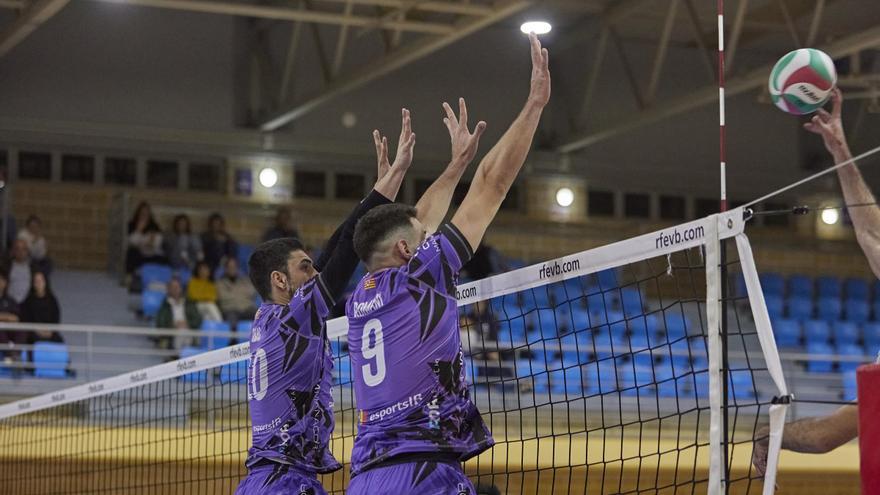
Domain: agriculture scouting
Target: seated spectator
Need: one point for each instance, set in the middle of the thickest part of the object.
(9, 313)
(235, 295)
(41, 306)
(217, 243)
(144, 240)
(203, 292)
(284, 226)
(32, 235)
(19, 272)
(183, 248)
(179, 313)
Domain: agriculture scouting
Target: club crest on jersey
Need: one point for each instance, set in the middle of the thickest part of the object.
(370, 283)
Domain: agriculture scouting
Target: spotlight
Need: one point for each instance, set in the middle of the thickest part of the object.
(268, 177)
(830, 217)
(537, 27)
(564, 197)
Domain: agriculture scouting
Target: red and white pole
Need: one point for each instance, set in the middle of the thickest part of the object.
(721, 111)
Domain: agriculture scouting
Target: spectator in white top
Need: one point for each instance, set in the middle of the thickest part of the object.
(19, 272)
(32, 235)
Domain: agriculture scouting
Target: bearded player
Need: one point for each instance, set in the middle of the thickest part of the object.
(417, 421)
(289, 380)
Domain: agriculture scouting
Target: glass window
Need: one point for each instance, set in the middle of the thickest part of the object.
(672, 207)
(204, 176)
(34, 165)
(77, 168)
(600, 203)
(637, 205)
(309, 184)
(121, 171)
(162, 173)
(349, 186)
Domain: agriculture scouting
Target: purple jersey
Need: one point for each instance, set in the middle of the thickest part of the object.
(406, 357)
(289, 383)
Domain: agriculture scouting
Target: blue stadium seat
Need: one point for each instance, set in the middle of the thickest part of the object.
(607, 279)
(541, 382)
(857, 310)
(850, 350)
(198, 376)
(244, 326)
(871, 336)
(342, 370)
(787, 332)
(184, 276)
(740, 385)
(234, 372)
(611, 300)
(800, 308)
(830, 308)
(50, 360)
(603, 347)
(850, 386)
(817, 331)
(775, 305)
(607, 376)
(151, 301)
(856, 289)
(676, 325)
(526, 367)
(568, 382)
(819, 366)
(155, 274)
(638, 341)
(216, 341)
(701, 384)
(336, 348)
(644, 358)
(800, 285)
(772, 284)
(739, 285)
(631, 301)
(846, 333)
(572, 354)
(829, 287)
(680, 357)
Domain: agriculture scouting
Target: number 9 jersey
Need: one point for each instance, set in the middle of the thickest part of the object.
(406, 357)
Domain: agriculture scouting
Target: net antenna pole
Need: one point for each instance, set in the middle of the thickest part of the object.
(722, 151)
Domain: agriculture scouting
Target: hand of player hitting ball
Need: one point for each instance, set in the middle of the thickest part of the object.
(405, 145)
(540, 87)
(830, 127)
(464, 144)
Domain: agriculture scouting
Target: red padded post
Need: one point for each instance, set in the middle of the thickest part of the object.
(869, 427)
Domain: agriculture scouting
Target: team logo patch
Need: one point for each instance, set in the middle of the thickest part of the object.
(370, 283)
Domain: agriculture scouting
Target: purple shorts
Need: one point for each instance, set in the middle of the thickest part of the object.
(413, 478)
(279, 479)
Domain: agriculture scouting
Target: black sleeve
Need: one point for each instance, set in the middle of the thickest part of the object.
(372, 200)
(340, 265)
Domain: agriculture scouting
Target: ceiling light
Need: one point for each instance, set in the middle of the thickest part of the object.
(537, 27)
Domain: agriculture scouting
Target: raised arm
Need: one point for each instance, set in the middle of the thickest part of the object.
(501, 165)
(434, 203)
(811, 435)
(389, 179)
(866, 219)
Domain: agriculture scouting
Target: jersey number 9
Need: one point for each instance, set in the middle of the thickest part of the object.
(376, 352)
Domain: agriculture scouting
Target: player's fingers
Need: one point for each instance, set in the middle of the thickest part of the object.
(448, 126)
(406, 125)
(449, 113)
(824, 115)
(836, 102)
(377, 142)
(536, 50)
(462, 113)
(478, 131)
(545, 55)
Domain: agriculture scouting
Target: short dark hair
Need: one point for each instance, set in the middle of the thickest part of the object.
(270, 256)
(374, 227)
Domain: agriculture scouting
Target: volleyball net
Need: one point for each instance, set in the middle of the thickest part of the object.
(635, 367)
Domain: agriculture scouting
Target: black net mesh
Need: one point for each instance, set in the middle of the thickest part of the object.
(598, 384)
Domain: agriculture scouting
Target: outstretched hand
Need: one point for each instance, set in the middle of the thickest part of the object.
(464, 143)
(830, 127)
(540, 86)
(759, 451)
(405, 146)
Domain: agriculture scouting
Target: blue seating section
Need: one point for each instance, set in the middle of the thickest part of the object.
(151, 301)
(215, 341)
(50, 360)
